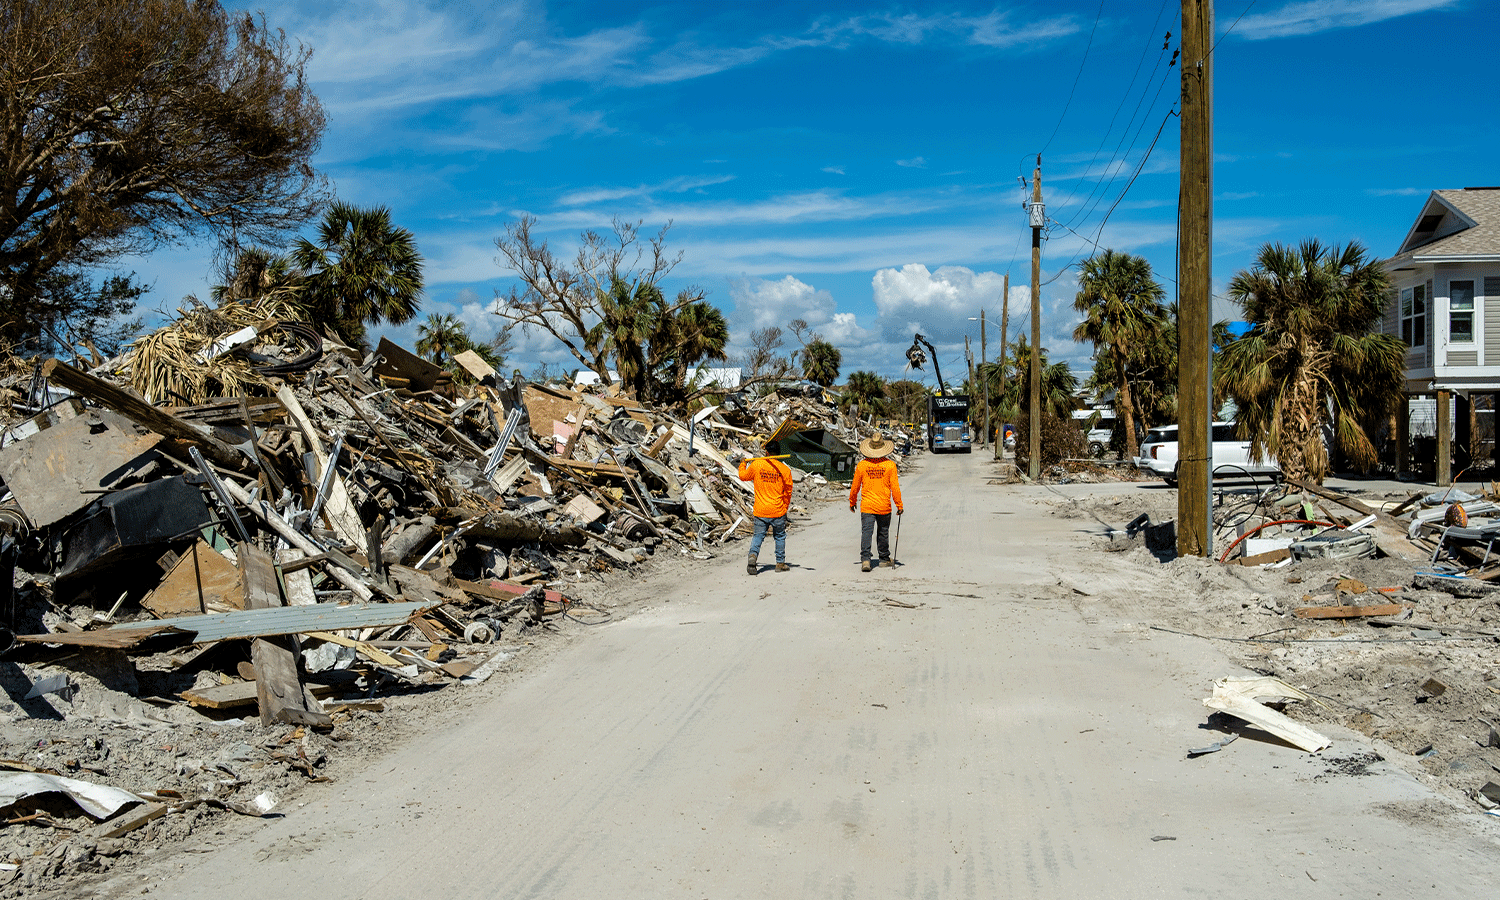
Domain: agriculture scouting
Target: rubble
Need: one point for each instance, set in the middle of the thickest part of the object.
(1396, 641)
(241, 539)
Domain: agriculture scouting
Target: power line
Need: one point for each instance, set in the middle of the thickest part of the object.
(1129, 89)
(1076, 78)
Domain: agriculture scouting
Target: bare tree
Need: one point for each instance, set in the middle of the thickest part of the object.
(763, 360)
(132, 122)
(594, 303)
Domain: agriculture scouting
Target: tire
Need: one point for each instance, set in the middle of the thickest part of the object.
(1097, 449)
(969, 449)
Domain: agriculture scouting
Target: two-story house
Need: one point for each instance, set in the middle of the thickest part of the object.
(1445, 306)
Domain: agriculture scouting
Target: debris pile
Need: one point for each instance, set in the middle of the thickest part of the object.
(1383, 609)
(245, 536)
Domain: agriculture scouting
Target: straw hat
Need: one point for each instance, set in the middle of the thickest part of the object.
(876, 447)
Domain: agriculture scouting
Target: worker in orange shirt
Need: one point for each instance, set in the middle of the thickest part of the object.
(773, 497)
(876, 487)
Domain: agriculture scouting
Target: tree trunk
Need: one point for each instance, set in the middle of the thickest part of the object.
(1126, 403)
(1299, 427)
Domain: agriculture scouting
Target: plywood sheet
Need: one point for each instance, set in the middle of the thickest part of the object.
(202, 581)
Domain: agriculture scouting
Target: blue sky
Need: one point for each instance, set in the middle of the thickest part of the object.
(856, 164)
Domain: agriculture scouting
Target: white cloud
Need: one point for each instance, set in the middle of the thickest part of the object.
(763, 303)
(759, 303)
(1397, 192)
(671, 186)
(834, 170)
(1313, 16)
(936, 303)
(915, 162)
(995, 29)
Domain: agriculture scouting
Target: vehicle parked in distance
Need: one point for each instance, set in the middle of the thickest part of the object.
(1230, 455)
(1098, 439)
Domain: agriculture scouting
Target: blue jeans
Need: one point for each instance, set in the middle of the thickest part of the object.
(880, 525)
(778, 528)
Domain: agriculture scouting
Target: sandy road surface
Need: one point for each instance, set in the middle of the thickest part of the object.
(794, 736)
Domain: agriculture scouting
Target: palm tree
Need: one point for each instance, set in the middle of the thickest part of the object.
(1310, 350)
(693, 334)
(442, 337)
(1122, 308)
(362, 270)
(864, 391)
(629, 316)
(820, 362)
(256, 273)
(1058, 384)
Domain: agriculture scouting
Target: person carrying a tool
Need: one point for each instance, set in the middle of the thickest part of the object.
(876, 488)
(773, 497)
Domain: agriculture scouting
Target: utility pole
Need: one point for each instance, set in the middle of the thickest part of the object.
(1195, 284)
(1038, 215)
(969, 355)
(984, 434)
(1004, 321)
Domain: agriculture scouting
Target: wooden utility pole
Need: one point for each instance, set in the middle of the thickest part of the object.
(1194, 281)
(984, 434)
(1004, 321)
(969, 356)
(1038, 218)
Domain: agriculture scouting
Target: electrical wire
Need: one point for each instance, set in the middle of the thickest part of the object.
(1081, 63)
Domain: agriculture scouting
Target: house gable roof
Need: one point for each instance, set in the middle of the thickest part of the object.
(1455, 224)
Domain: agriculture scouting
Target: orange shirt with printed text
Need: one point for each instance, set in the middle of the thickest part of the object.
(876, 485)
(773, 486)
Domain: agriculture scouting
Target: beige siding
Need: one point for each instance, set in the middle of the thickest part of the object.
(1492, 321)
(1463, 358)
(1431, 314)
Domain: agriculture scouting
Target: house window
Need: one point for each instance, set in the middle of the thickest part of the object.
(1414, 316)
(1461, 311)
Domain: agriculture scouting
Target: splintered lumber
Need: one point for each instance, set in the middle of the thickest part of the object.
(297, 539)
(143, 413)
(1347, 612)
(339, 509)
(1236, 696)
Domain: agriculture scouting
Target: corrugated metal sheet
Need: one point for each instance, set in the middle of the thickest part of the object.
(286, 620)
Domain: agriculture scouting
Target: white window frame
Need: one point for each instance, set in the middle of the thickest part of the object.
(1454, 313)
(1414, 320)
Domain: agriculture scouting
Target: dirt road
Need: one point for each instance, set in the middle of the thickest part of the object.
(997, 734)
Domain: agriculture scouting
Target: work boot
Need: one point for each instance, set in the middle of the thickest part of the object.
(752, 568)
(864, 566)
(783, 567)
(888, 564)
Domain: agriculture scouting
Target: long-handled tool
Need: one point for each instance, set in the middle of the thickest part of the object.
(897, 545)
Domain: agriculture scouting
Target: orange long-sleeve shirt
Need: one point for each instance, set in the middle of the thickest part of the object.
(773, 486)
(876, 480)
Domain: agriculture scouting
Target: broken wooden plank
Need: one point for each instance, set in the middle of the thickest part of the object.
(132, 820)
(1260, 559)
(1236, 696)
(361, 647)
(1347, 612)
(242, 693)
(339, 509)
(142, 413)
(278, 681)
(116, 638)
